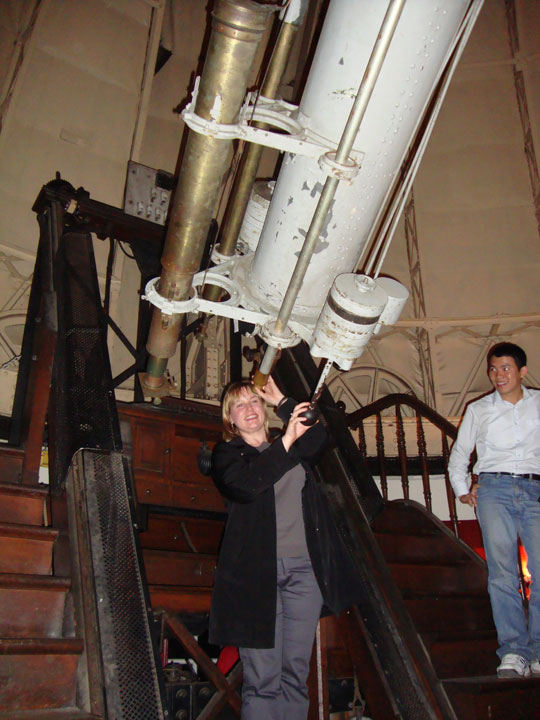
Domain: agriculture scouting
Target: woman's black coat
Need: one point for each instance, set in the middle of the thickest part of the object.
(243, 611)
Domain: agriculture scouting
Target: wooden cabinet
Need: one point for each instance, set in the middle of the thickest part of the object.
(164, 449)
(152, 447)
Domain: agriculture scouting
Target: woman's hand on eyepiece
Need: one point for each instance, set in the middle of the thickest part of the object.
(296, 427)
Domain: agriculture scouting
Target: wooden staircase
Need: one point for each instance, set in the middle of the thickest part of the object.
(180, 556)
(40, 655)
(444, 587)
(438, 612)
(441, 580)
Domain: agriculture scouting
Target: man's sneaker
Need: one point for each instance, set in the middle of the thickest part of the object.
(535, 667)
(513, 665)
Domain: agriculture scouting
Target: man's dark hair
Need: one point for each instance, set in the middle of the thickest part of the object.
(507, 349)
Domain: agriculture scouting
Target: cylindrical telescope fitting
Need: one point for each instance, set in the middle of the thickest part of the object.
(237, 29)
(348, 319)
(397, 297)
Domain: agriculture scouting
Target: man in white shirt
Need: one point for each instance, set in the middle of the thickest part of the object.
(504, 426)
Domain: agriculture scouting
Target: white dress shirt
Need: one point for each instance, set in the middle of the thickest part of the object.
(506, 436)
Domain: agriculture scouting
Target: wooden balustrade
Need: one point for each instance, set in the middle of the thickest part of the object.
(381, 458)
(362, 440)
(449, 492)
(402, 453)
(423, 460)
(405, 462)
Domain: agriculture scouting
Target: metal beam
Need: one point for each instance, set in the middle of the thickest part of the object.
(422, 338)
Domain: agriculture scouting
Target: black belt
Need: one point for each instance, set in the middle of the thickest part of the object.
(524, 476)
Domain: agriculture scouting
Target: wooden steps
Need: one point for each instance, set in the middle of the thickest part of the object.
(26, 549)
(447, 650)
(438, 578)
(166, 567)
(32, 605)
(491, 698)
(409, 548)
(38, 673)
(402, 519)
(183, 510)
(180, 556)
(11, 462)
(180, 599)
(22, 503)
(38, 664)
(444, 588)
(66, 713)
(436, 613)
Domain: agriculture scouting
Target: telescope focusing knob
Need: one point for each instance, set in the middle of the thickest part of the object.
(310, 416)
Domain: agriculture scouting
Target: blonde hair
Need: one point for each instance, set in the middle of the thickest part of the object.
(233, 391)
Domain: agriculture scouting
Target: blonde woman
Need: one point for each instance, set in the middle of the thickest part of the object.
(281, 558)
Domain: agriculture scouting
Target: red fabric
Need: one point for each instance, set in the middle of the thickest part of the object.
(227, 658)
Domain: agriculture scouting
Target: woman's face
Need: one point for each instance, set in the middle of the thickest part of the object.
(247, 412)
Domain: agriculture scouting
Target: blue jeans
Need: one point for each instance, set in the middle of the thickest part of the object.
(508, 507)
(274, 686)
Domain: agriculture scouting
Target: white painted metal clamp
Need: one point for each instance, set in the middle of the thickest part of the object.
(168, 307)
(231, 308)
(300, 140)
(282, 340)
(346, 170)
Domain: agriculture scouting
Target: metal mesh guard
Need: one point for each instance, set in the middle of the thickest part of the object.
(131, 683)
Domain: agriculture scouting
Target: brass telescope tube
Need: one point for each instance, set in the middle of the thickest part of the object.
(237, 29)
(249, 163)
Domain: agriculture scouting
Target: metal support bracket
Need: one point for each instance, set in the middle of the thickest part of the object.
(230, 308)
(278, 340)
(300, 140)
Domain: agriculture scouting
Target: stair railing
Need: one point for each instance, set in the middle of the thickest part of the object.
(92, 499)
(31, 398)
(421, 463)
(395, 673)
